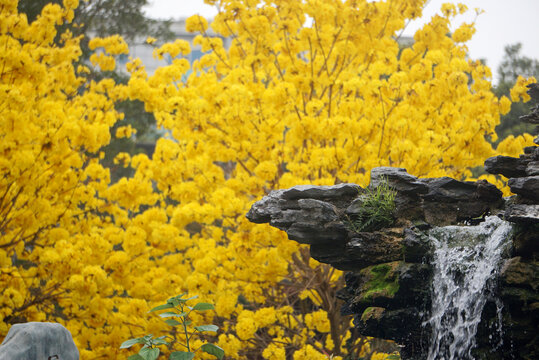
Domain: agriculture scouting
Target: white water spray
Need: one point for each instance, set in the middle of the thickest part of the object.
(466, 262)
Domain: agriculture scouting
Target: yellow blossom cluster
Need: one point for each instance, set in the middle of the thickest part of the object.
(309, 92)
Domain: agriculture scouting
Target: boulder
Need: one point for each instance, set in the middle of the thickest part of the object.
(506, 166)
(449, 201)
(522, 213)
(398, 179)
(391, 285)
(389, 268)
(417, 247)
(532, 168)
(526, 240)
(363, 249)
(404, 325)
(37, 340)
(519, 273)
(527, 187)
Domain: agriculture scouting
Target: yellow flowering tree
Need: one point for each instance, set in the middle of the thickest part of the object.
(52, 215)
(308, 92)
(314, 91)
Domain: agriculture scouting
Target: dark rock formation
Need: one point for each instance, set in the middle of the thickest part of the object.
(507, 166)
(526, 187)
(35, 340)
(389, 272)
(308, 214)
(388, 283)
(521, 213)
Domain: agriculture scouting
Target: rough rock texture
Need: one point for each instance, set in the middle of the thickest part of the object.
(388, 283)
(522, 213)
(35, 340)
(506, 165)
(527, 187)
(308, 214)
(389, 274)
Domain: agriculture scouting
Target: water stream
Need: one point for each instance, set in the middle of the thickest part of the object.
(466, 262)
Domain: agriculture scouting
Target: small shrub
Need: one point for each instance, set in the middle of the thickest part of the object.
(376, 211)
(178, 314)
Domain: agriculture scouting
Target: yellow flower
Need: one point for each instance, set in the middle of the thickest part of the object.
(274, 352)
(196, 23)
(505, 105)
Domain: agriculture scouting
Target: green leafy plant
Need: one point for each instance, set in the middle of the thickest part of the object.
(177, 314)
(375, 210)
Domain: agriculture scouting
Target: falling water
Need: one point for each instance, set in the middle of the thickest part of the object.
(466, 262)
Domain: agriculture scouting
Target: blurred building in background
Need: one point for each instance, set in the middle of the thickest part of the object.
(140, 49)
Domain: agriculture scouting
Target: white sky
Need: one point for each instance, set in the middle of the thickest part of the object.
(503, 22)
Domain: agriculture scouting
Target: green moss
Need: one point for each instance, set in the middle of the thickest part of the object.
(371, 313)
(383, 281)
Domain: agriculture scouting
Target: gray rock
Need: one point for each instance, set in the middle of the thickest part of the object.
(402, 325)
(506, 166)
(516, 272)
(440, 214)
(532, 118)
(522, 213)
(417, 247)
(449, 201)
(35, 340)
(309, 210)
(527, 187)
(320, 192)
(398, 179)
(263, 210)
(409, 206)
(317, 233)
(391, 285)
(364, 249)
(446, 189)
(314, 222)
(530, 150)
(375, 248)
(309, 214)
(532, 168)
(526, 240)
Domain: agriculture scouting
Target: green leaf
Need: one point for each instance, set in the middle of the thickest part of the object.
(131, 342)
(149, 353)
(135, 357)
(203, 306)
(162, 307)
(188, 322)
(172, 322)
(160, 341)
(181, 355)
(169, 314)
(207, 328)
(213, 350)
(191, 298)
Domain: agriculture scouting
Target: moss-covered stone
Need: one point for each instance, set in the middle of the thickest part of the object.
(381, 281)
(372, 312)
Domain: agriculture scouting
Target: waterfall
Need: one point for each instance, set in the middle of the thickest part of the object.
(466, 262)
